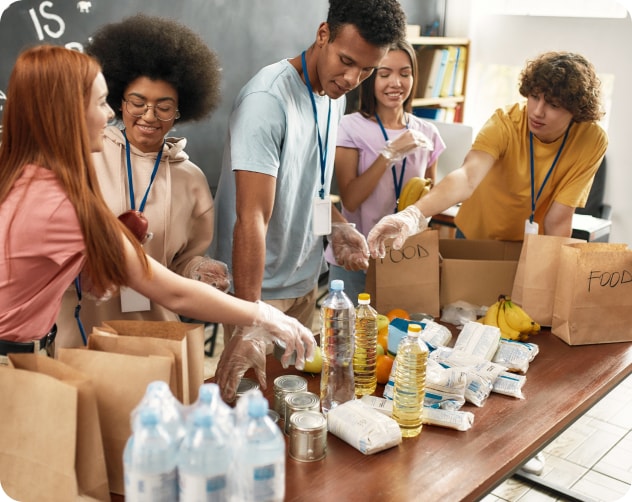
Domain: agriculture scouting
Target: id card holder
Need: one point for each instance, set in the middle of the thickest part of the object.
(133, 301)
(321, 221)
(530, 227)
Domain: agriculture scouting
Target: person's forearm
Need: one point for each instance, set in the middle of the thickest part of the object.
(361, 187)
(249, 251)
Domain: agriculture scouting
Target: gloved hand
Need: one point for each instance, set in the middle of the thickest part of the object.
(212, 272)
(398, 226)
(349, 246)
(247, 348)
(407, 142)
(240, 354)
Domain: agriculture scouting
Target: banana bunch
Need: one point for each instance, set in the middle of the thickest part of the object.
(514, 323)
(414, 189)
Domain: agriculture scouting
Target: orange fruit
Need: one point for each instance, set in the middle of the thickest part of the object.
(400, 313)
(383, 368)
(382, 338)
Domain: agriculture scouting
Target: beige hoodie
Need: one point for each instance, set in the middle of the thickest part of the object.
(179, 210)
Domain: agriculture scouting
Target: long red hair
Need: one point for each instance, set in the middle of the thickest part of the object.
(44, 123)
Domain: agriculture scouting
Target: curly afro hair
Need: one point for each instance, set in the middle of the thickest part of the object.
(379, 22)
(567, 80)
(160, 49)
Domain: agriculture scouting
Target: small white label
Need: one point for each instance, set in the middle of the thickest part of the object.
(133, 301)
(322, 216)
(530, 227)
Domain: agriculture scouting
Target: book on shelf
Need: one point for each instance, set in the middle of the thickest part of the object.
(436, 88)
(447, 84)
(459, 73)
(428, 63)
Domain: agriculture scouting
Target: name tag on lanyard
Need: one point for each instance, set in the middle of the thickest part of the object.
(321, 221)
(133, 301)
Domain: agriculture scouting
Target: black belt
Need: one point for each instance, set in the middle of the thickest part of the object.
(46, 342)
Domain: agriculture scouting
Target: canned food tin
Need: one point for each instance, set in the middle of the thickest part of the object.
(308, 436)
(299, 401)
(274, 416)
(246, 384)
(284, 385)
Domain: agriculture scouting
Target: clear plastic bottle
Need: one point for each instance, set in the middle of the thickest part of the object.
(410, 382)
(204, 460)
(158, 396)
(365, 353)
(260, 455)
(210, 400)
(337, 338)
(149, 461)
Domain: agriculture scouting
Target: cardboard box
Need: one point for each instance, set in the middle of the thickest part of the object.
(476, 271)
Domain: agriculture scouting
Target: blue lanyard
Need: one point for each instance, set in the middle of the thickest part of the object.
(548, 174)
(131, 181)
(322, 150)
(396, 183)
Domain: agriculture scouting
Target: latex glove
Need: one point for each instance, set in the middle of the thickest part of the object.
(407, 142)
(212, 272)
(349, 246)
(248, 347)
(240, 354)
(398, 226)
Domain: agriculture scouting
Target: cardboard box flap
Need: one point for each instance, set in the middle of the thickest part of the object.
(466, 249)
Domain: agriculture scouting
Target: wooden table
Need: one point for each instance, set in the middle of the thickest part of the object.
(563, 382)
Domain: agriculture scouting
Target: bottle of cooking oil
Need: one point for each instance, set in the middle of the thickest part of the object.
(365, 353)
(410, 382)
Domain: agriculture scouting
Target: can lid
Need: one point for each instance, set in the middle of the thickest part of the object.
(306, 400)
(290, 383)
(307, 420)
(245, 385)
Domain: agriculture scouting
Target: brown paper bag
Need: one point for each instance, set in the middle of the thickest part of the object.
(50, 438)
(408, 278)
(133, 346)
(120, 381)
(536, 275)
(593, 295)
(185, 340)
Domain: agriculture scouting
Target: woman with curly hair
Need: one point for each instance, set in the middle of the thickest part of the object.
(531, 165)
(158, 72)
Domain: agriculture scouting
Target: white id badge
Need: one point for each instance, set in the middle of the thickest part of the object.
(133, 301)
(321, 222)
(530, 227)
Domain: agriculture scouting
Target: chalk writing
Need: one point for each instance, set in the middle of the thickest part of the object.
(56, 26)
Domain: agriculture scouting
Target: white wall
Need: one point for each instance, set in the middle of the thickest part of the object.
(512, 40)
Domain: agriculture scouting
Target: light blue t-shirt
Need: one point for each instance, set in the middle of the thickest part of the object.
(272, 131)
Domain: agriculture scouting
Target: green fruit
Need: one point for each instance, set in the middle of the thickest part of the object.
(316, 364)
(380, 350)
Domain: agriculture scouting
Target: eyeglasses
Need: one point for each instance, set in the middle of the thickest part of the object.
(162, 111)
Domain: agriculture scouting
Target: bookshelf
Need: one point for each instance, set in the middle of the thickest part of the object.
(441, 77)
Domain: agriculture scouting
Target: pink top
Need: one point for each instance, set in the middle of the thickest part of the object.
(41, 252)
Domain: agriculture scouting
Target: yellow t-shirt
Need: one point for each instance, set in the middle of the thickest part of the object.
(501, 203)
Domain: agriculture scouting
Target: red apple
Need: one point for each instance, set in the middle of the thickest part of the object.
(136, 222)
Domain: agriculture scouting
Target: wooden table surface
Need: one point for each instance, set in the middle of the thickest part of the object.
(563, 382)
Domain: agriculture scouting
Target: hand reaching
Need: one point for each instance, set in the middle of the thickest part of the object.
(248, 347)
(349, 246)
(407, 142)
(398, 226)
(212, 272)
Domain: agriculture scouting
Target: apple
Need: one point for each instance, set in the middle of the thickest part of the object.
(316, 364)
(382, 322)
(380, 350)
(136, 222)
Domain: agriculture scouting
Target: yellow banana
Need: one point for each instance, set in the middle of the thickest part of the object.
(491, 316)
(506, 331)
(517, 318)
(535, 327)
(413, 190)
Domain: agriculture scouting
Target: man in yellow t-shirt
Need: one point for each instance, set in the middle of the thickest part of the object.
(530, 166)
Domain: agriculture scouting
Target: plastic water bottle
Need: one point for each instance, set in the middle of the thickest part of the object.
(204, 460)
(260, 456)
(410, 382)
(365, 353)
(337, 338)
(149, 461)
(209, 400)
(170, 411)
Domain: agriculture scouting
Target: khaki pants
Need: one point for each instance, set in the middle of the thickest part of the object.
(301, 309)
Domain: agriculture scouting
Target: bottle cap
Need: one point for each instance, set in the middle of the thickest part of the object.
(414, 328)
(337, 285)
(364, 298)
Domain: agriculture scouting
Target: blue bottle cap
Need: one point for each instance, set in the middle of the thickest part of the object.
(337, 285)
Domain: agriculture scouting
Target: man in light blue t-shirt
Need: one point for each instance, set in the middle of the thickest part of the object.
(278, 165)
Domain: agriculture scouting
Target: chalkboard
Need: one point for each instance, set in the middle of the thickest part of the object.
(246, 34)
